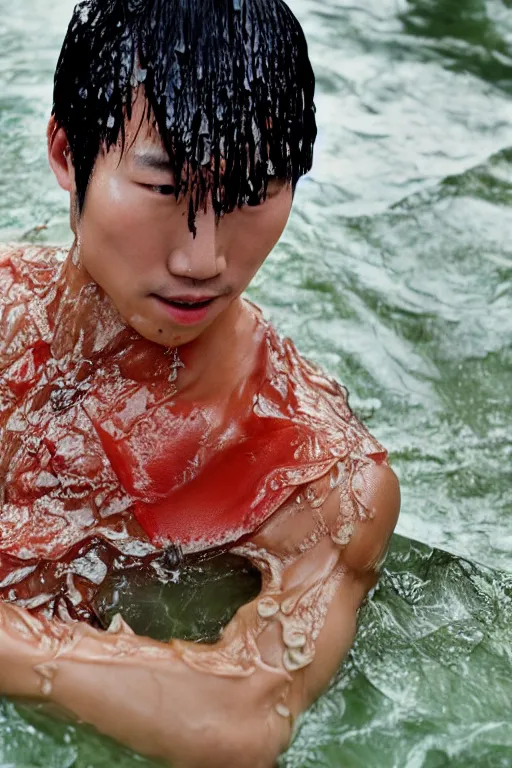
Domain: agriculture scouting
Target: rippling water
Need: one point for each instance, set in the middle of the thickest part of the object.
(395, 274)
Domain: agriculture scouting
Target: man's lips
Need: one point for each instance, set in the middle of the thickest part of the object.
(187, 299)
(186, 309)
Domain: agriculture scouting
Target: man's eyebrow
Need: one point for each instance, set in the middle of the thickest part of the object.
(155, 161)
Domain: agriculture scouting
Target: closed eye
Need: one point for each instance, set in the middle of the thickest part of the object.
(167, 190)
(164, 189)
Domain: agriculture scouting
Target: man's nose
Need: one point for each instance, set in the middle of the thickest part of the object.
(200, 257)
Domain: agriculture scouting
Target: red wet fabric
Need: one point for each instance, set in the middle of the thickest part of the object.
(100, 459)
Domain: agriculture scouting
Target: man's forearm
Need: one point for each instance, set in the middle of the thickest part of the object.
(233, 703)
(143, 694)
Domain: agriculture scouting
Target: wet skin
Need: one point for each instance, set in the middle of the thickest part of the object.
(136, 244)
(319, 553)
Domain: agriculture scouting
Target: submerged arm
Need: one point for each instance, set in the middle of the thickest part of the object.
(232, 703)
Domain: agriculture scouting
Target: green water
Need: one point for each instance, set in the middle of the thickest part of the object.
(395, 274)
(195, 604)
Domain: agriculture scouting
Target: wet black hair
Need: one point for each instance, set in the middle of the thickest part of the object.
(228, 84)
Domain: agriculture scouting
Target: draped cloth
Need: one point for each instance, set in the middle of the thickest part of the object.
(101, 458)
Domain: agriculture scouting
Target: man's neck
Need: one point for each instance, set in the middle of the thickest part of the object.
(88, 326)
(222, 356)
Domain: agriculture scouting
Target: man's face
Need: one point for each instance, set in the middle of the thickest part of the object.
(134, 241)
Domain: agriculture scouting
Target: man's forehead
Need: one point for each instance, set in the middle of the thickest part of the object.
(140, 131)
(143, 142)
(147, 155)
(143, 145)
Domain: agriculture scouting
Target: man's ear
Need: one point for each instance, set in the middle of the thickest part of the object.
(59, 156)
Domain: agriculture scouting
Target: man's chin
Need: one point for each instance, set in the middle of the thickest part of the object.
(165, 336)
(162, 330)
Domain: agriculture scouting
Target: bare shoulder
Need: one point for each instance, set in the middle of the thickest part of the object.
(358, 515)
(376, 491)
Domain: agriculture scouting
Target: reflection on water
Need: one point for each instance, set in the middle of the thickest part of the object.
(395, 273)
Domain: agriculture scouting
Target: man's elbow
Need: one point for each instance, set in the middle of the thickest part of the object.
(254, 743)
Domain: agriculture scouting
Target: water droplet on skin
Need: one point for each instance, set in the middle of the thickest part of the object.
(267, 607)
(357, 483)
(47, 674)
(46, 688)
(344, 534)
(293, 659)
(288, 605)
(283, 710)
(294, 638)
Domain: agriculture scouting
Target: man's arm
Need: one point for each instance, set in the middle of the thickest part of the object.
(232, 703)
(325, 582)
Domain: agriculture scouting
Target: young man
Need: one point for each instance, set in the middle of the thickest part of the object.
(146, 405)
